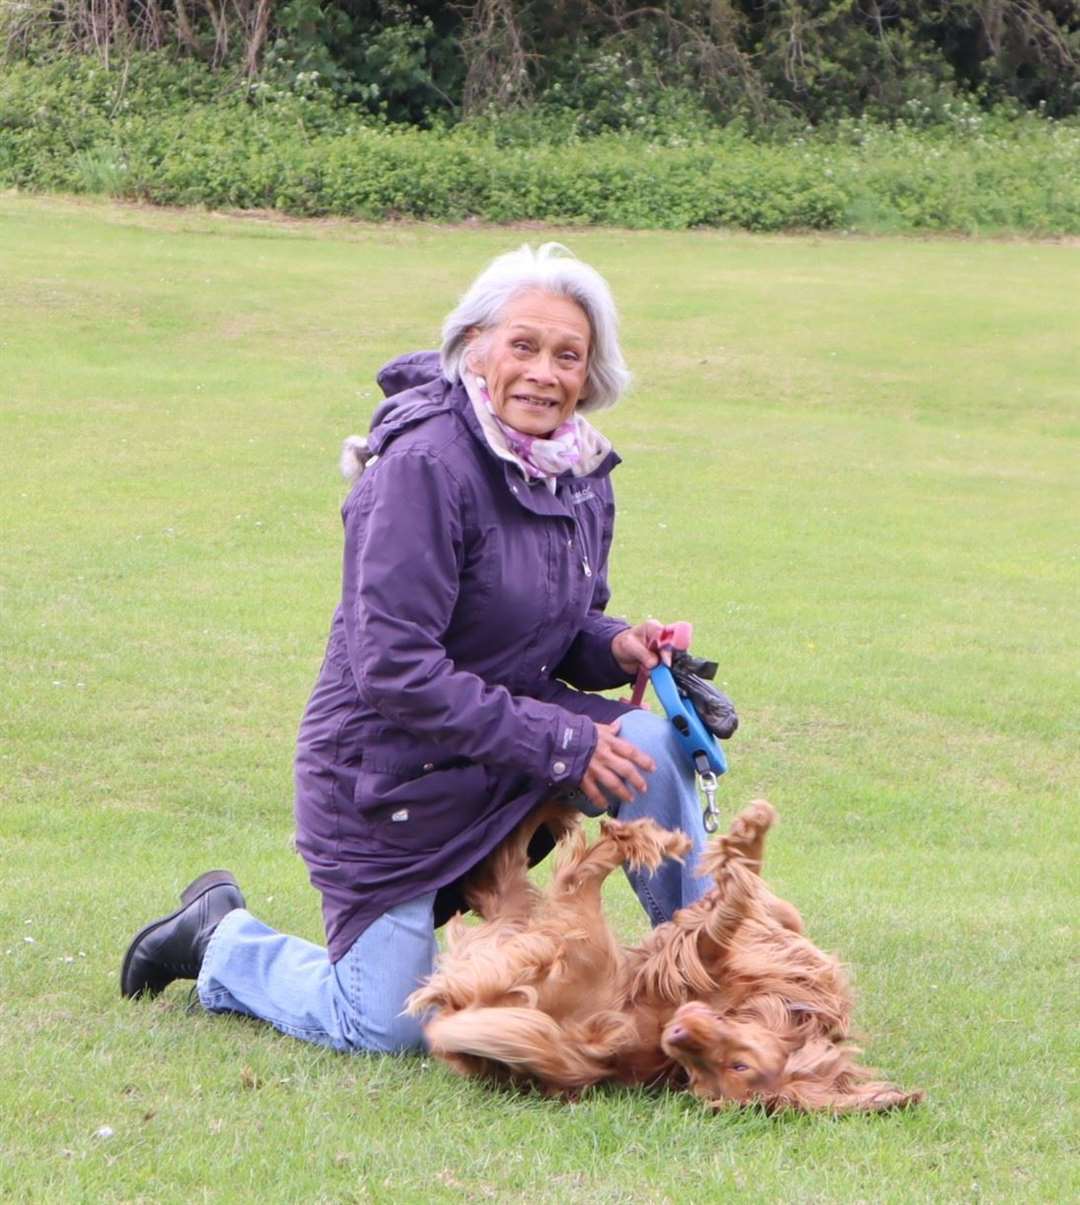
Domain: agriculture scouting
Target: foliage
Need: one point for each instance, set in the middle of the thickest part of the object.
(395, 58)
(162, 133)
(611, 61)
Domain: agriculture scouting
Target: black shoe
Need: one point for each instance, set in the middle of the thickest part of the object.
(173, 946)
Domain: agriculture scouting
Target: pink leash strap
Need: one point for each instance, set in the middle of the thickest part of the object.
(673, 636)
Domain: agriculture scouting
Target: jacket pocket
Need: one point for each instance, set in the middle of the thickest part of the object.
(422, 811)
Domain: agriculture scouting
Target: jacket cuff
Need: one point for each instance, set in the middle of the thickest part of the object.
(573, 750)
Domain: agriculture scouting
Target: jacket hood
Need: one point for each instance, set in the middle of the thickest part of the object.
(407, 401)
(403, 373)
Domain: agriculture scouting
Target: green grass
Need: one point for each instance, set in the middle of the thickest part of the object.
(852, 463)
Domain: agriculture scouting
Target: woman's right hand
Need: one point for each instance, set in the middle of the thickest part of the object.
(614, 768)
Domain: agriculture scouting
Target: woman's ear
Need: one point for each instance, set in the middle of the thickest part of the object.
(473, 350)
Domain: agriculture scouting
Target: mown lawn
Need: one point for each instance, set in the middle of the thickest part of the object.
(852, 463)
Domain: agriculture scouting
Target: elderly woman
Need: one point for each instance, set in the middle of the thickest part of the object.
(452, 698)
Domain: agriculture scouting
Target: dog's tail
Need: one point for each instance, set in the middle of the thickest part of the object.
(525, 1041)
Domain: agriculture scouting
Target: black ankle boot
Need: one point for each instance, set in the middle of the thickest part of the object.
(173, 946)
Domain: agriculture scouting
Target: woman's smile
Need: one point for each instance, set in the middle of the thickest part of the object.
(540, 403)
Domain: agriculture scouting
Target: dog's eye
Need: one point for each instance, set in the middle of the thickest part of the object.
(740, 1067)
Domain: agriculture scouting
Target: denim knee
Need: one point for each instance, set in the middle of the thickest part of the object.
(655, 735)
(387, 962)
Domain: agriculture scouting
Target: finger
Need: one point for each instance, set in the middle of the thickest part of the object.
(649, 633)
(628, 774)
(592, 792)
(650, 630)
(614, 785)
(634, 652)
(645, 654)
(633, 754)
(623, 769)
(612, 776)
(599, 794)
(664, 651)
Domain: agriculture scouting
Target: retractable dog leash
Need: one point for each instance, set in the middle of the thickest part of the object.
(698, 712)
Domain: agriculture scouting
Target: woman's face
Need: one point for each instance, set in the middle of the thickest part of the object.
(534, 361)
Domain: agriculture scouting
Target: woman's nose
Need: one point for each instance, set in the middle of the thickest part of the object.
(542, 367)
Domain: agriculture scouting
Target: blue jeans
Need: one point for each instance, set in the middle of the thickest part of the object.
(355, 1004)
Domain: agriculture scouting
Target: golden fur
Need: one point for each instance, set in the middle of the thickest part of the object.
(728, 998)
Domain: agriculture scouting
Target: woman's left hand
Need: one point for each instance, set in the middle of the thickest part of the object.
(635, 648)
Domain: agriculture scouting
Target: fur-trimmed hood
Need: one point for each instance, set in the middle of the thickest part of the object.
(401, 375)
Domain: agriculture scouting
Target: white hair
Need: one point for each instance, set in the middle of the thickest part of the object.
(553, 269)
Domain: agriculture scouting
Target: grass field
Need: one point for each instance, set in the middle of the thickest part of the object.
(853, 463)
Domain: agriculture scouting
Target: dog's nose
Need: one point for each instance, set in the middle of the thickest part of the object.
(676, 1035)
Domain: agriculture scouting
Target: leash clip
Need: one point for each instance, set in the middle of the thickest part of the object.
(710, 817)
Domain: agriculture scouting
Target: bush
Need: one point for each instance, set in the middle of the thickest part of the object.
(179, 135)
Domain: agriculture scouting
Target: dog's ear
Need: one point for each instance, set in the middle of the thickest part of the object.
(807, 1096)
(866, 1098)
(881, 1098)
(824, 1076)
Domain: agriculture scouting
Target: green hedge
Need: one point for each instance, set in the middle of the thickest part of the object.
(175, 135)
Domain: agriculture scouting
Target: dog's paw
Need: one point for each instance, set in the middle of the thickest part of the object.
(746, 837)
(644, 844)
(754, 820)
(677, 844)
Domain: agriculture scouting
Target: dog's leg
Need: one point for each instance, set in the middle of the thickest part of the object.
(501, 958)
(499, 887)
(738, 885)
(746, 840)
(639, 844)
(680, 960)
(746, 836)
(495, 963)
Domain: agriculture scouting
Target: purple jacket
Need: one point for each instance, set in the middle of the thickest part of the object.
(472, 606)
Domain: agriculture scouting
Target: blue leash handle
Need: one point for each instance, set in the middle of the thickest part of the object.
(702, 748)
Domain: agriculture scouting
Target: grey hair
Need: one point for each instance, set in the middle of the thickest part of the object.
(553, 269)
